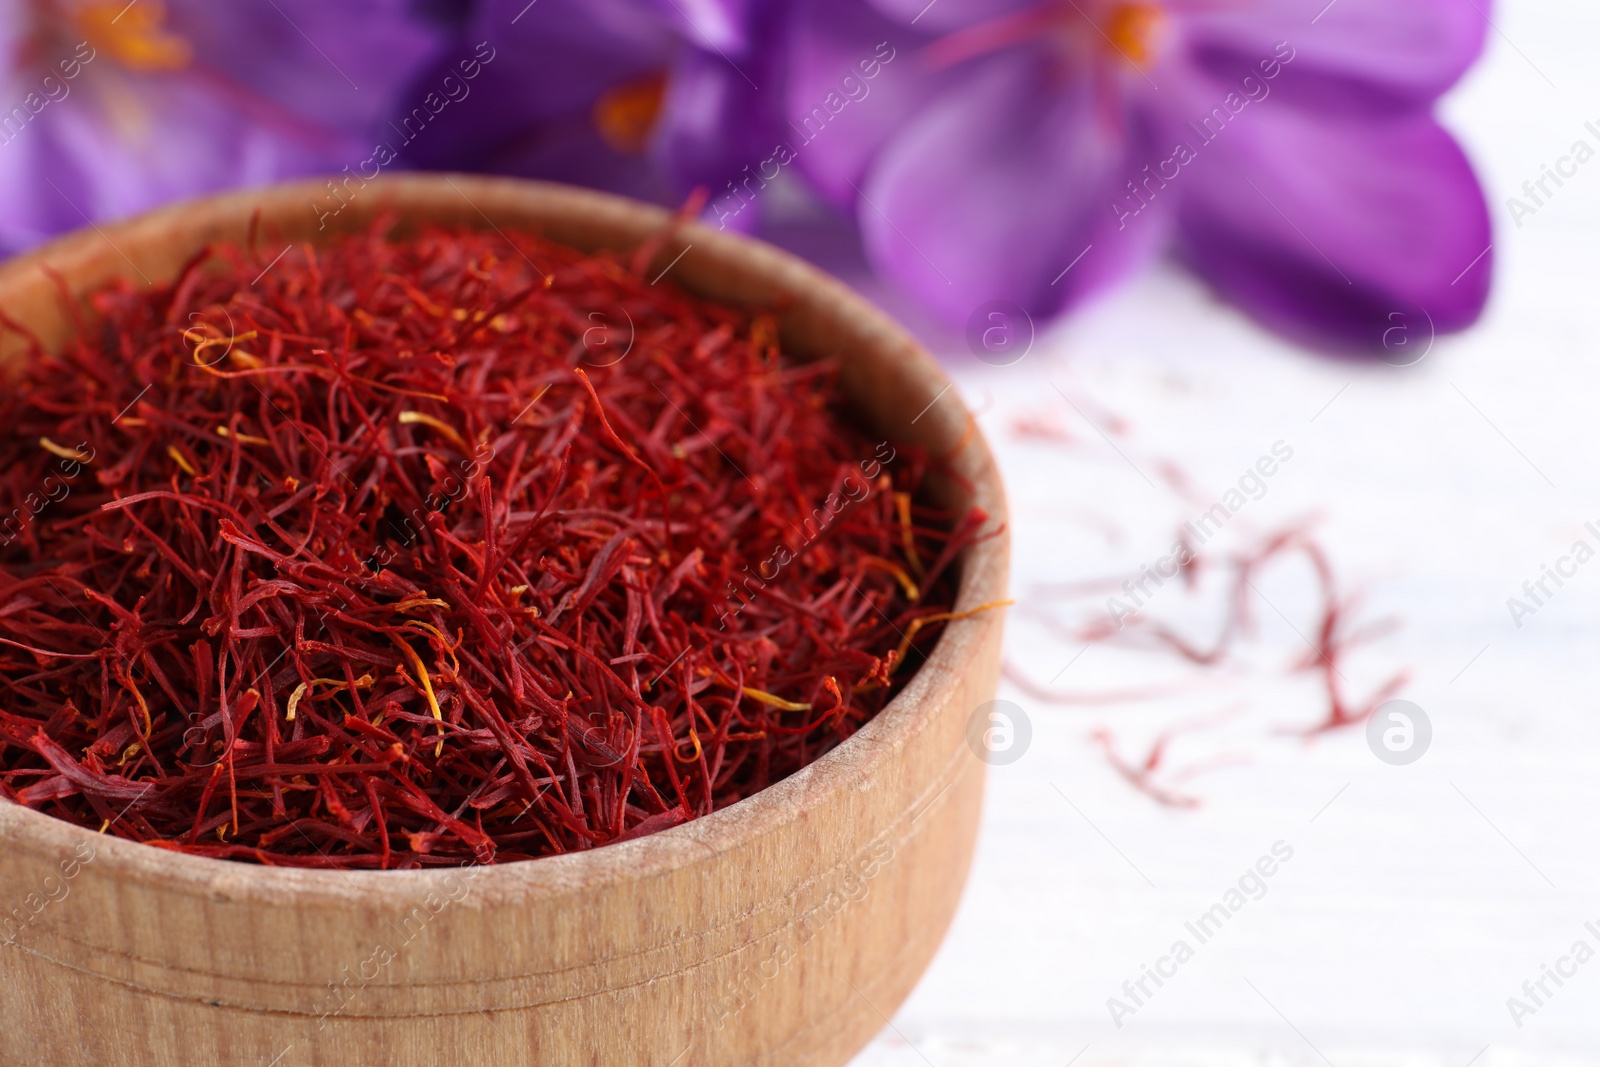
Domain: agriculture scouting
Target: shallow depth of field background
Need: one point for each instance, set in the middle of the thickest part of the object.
(1423, 897)
(1418, 898)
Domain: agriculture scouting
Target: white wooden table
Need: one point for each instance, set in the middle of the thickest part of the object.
(1418, 898)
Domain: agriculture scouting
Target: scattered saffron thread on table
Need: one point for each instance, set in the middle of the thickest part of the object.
(1331, 639)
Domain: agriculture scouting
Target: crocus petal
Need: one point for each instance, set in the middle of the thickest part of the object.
(938, 16)
(715, 25)
(76, 162)
(559, 66)
(836, 40)
(716, 126)
(723, 112)
(338, 64)
(241, 94)
(999, 187)
(480, 136)
(1335, 233)
(562, 55)
(531, 109)
(1371, 55)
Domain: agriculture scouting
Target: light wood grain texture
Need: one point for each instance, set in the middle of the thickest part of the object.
(783, 930)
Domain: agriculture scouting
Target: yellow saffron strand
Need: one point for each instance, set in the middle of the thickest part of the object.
(294, 700)
(450, 650)
(427, 690)
(900, 575)
(772, 700)
(943, 616)
(201, 342)
(693, 736)
(144, 708)
(242, 438)
(179, 458)
(423, 601)
(62, 451)
(363, 682)
(902, 504)
(410, 417)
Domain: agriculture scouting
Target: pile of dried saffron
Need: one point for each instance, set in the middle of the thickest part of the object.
(458, 548)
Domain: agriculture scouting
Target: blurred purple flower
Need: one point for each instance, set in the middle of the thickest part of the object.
(645, 97)
(1036, 152)
(108, 108)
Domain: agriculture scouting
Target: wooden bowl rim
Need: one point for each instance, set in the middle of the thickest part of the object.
(850, 765)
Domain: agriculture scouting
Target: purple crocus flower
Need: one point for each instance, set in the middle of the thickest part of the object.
(1036, 151)
(645, 97)
(109, 108)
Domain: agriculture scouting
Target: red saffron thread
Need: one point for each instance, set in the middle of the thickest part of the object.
(354, 563)
(1330, 640)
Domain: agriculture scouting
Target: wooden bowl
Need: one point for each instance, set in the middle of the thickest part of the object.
(785, 929)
